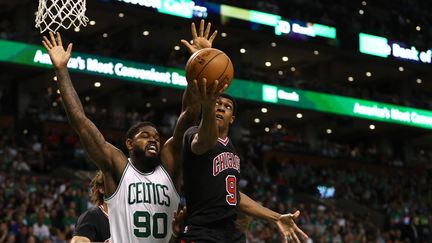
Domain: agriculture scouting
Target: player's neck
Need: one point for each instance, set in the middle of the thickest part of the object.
(223, 133)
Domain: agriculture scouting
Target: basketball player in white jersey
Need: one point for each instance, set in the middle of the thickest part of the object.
(141, 195)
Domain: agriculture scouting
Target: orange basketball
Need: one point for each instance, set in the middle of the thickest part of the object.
(211, 64)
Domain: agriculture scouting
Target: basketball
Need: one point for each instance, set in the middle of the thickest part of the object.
(211, 64)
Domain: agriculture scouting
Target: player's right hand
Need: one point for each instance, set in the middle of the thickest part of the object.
(202, 40)
(59, 57)
(206, 94)
(288, 229)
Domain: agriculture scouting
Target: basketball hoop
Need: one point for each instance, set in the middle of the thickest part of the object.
(54, 14)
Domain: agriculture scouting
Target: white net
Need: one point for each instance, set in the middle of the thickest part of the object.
(54, 14)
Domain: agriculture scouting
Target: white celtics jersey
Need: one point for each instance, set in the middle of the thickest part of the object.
(142, 207)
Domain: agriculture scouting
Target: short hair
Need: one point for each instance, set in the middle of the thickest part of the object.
(227, 96)
(96, 183)
(133, 130)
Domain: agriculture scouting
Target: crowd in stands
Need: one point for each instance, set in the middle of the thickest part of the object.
(402, 198)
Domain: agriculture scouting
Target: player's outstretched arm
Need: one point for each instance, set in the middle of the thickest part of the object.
(285, 223)
(100, 151)
(207, 135)
(171, 151)
(191, 107)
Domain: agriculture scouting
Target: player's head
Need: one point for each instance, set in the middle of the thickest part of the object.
(142, 141)
(97, 188)
(226, 108)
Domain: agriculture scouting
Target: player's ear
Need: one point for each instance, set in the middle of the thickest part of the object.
(232, 119)
(128, 143)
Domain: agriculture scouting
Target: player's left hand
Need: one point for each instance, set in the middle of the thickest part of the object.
(202, 40)
(288, 228)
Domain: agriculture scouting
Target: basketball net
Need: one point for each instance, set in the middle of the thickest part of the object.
(54, 14)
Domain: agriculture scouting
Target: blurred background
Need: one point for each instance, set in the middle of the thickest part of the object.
(335, 114)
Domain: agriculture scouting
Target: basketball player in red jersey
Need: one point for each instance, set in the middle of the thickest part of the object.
(211, 170)
(93, 224)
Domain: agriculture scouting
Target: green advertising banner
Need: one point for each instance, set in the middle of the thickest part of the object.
(33, 55)
(383, 47)
(347, 106)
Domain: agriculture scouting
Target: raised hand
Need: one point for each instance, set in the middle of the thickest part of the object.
(54, 45)
(206, 94)
(288, 228)
(202, 40)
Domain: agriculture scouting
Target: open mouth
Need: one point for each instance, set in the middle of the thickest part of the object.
(219, 116)
(151, 148)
